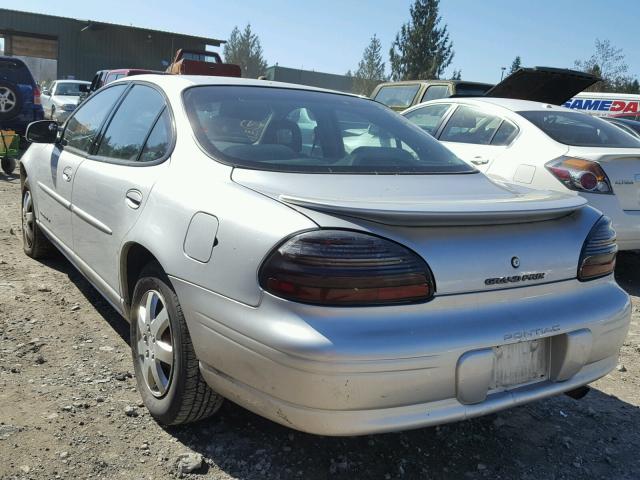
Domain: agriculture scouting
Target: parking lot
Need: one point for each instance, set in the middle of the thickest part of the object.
(69, 406)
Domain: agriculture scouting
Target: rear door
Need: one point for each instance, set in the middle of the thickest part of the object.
(113, 184)
(60, 162)
(477, 137)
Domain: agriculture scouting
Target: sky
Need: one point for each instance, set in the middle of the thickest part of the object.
(330, 35)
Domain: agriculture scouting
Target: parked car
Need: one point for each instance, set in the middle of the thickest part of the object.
(628, 125)
(19, 96)
(544, 146)
(628, 116)
(341, 287)
(200, 62)
(103, 77)
(61, 98)
(544, 84)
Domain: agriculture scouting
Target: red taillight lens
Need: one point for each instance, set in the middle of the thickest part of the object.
(598, 257)
(580, 175)
(36, 96)
(341, 267)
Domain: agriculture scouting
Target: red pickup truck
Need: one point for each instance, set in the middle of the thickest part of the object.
(198, 62)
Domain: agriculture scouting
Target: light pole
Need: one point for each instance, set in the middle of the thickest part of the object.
(502, 74)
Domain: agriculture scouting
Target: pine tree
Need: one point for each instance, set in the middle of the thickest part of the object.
(422, 49)
(244, 49)
(517, 63)
(456, 75)
(370, 70)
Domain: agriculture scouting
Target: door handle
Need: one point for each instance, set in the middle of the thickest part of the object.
(479, 161)
(133, 198)
(66, 174)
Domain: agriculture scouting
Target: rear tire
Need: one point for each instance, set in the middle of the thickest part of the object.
(167, 370)
(36, 245)
(8, 165)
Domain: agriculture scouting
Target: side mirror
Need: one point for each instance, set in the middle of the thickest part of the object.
(42, 131)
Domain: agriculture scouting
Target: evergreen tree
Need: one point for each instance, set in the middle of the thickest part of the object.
(456, 75)
(244, 49)
(517, 63)
(370, 70)
(422, 49)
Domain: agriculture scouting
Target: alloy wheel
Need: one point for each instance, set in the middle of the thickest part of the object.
(7, 100)
(154, 342)
(27, 218)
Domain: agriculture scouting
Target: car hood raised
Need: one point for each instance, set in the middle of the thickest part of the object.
(412, 200)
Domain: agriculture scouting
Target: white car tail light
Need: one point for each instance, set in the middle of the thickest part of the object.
(598, 257)
(580, 175)
(346, 268)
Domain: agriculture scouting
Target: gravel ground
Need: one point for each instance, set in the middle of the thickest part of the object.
(69, 407)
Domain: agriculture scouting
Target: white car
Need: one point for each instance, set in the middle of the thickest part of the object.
(61, 98)
(544, 146)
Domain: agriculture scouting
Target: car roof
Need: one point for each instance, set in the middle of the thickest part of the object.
(507, 103)
(180, 82)
(72, 81)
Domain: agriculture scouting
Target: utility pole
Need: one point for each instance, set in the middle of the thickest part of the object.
(502, 74)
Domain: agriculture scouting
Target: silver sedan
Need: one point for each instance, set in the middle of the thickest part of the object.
(317, 258)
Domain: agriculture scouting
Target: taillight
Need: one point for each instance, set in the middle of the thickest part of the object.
(342, 267)
(598, 257)
(580, 175)
(36, 96)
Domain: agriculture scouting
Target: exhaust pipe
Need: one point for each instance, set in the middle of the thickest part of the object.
(578, 393)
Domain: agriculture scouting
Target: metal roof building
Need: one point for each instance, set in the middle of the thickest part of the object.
(310, 77)
(60, 47)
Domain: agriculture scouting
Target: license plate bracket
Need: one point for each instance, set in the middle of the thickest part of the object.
(520, 363)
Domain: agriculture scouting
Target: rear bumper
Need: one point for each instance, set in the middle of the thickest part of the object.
(336, 371)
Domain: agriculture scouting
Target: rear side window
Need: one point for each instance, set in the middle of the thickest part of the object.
(436, 91)
(469, 125)
(428, 118)
(15, 72)
(82, 128)
(505, 134)
(581, 130)
(131, 124)
(397, 95)
(157, 144)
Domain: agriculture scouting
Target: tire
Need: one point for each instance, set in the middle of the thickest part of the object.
(174, 393)
(8, 165)
(10, 100)
(35, 244)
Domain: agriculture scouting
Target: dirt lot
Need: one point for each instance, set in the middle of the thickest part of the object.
(69, 406)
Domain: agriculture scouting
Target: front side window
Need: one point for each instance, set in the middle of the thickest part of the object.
(397, 95)
(129, 127)
(82, 128)
(579, 129)
(469, 125)
(428, 118)
(436, 91)
(305, 131)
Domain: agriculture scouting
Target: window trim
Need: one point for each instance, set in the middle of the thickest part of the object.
(103, 128)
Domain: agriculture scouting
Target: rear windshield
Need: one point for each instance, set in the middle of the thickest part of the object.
(397, 95)
(70, 89)
(471, 90)
(580, 130)
(15, 72)
(303, 131)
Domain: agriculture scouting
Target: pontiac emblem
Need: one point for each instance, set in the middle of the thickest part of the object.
(515, 262)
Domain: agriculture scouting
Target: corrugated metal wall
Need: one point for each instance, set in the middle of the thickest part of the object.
(307, 77)
(85, 47)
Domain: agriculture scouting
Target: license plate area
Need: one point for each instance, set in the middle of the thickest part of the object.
(520, 363)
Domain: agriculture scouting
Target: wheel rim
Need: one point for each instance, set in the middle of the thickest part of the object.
(27, 218)
(7, 100)
(154, 343)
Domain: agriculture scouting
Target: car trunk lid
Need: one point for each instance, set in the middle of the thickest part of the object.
(475, 234)
(622, 166)
(543, 84)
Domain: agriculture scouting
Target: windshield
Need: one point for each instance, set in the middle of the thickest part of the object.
(304, 131)
(397, 95)
(70, 89)
(580, 130)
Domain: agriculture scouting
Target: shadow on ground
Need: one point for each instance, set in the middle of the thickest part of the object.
(595, 437)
